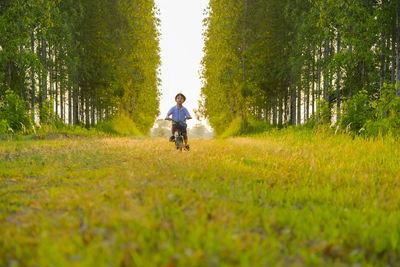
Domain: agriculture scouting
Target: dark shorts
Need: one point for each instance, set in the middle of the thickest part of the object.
(178, 127)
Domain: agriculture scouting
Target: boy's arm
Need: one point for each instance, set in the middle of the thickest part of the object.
(168, 114)
(188, 117)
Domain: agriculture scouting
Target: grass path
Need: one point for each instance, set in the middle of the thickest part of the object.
(283, 199)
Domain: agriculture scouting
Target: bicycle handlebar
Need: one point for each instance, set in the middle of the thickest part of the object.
(169, 119)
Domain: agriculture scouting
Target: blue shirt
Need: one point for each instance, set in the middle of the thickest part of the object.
(179, 114)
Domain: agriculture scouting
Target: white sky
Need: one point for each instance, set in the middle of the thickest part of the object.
(181, 46)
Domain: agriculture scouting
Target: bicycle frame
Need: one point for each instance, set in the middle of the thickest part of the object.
(178, 138)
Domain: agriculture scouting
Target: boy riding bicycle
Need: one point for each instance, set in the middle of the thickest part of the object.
(179, 116)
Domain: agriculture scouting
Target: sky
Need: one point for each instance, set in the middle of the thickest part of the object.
(181, 46)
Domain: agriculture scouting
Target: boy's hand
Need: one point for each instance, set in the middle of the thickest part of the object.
(189, 118)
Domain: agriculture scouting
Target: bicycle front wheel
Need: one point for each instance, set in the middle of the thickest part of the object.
(179, 143)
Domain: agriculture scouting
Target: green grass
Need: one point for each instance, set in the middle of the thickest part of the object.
(286, 198)
(118, 126)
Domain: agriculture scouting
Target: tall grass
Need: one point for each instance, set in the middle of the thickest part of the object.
(253, 126)
(284, 198)
(120, 125)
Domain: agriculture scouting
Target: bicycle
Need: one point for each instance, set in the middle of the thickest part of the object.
(179, 137)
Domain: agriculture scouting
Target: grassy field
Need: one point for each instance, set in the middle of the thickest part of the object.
(282, 199)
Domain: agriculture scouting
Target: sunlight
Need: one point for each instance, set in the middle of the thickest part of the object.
(181, 52)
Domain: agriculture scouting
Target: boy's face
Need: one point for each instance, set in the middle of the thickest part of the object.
(179, 100)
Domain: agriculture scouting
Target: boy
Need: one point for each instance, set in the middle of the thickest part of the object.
(179, 113)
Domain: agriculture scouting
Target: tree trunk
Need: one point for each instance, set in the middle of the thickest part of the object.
(319, 73)
(75, 97)
(265, 109)
(93, 110)
(51, 91)
(304, 101)
(313, 84)
(383, 65)
(87, 110)
(299, 104)
(40, 75)
(62, 90)
(71, 104)
(106, 115)
(387, 59)
(44, 58)
(285, 119)
(307, 105)
(398, 44)
(293, 104)
(351, 52)
(44, 79)
(338, 80)
(99, 115)
(82, 106)
(280, 110)
(243, 50)
(33, 78)
(326, 79)
(56, 84)
(22, 88)
(274, 117)
(393, 54)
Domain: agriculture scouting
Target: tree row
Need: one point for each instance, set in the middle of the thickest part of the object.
(81, 61)
(280, 61)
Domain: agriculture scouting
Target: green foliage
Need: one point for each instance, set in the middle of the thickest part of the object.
(388, 105)
(120, 125)
(253, 126)
(387, 114)
(4, 127)
(356, 112)
(311, 123)
(233, 129)
(61, 131)
(101, 54)
(47, 114)
(361, 115)
(276, 59)
(14, 114)
(323, 113)
(223, 91)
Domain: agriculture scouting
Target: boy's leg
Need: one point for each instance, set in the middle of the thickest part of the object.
(185, 137)
(172, 138)
(184, 133)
